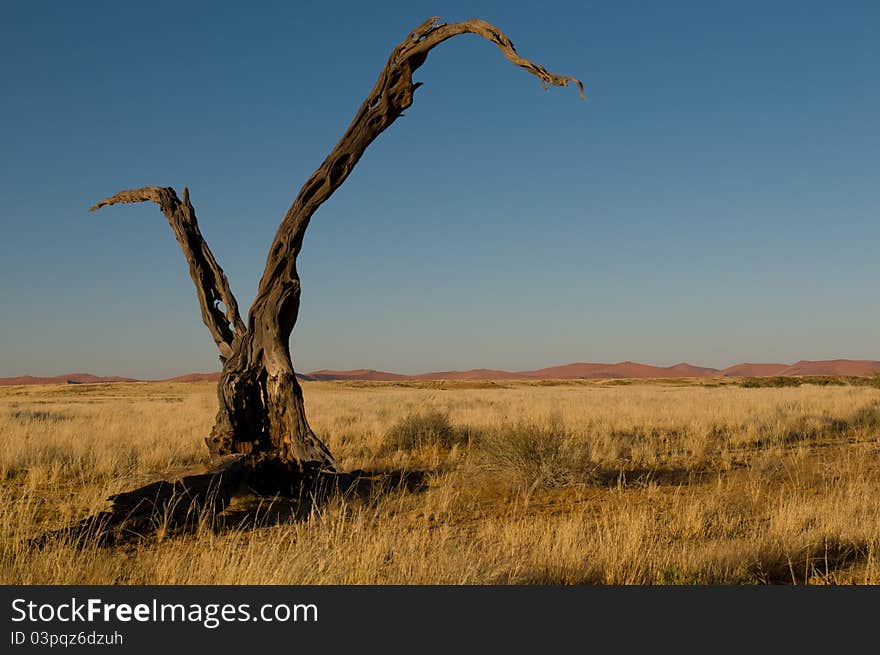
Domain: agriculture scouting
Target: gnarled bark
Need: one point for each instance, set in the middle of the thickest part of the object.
(261, 413)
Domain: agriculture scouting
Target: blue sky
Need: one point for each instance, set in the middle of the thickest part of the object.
(714, 200)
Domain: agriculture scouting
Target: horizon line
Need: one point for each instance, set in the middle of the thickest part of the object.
(351, 371)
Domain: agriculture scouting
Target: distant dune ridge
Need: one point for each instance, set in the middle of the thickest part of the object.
(622, 370)
(69, 378)
(833, 367)
(580, 370)
(754, 370)
(195, 377)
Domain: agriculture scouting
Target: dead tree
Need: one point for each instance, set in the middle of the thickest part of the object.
(261, 422)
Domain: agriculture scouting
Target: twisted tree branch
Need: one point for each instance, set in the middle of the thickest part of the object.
(211, 284)
(274, 310)
(431, 34)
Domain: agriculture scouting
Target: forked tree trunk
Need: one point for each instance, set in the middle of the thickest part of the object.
(261, 415)
(261, 409)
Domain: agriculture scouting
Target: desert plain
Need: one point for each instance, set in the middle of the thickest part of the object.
(703, 480)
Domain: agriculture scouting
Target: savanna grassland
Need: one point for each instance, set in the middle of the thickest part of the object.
(705, 482)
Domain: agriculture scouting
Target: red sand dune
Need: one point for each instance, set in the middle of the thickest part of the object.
(472, 374)
(580, 370)
(68, 378)
(195, 377)
(858, 367)
(690, 371)
(754, 370)
(357, 374)
(620, 370)
(633, 370)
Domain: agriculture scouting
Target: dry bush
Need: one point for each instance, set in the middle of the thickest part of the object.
(425, 429)
(530, 455)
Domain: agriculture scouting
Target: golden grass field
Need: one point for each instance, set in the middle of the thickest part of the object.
(524, 483)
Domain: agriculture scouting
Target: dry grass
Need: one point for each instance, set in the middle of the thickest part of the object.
(525, 483)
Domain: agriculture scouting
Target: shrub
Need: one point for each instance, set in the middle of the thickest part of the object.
(826, 380)
(866, 418)
(531, 455)
(429, 428)
(778, 381)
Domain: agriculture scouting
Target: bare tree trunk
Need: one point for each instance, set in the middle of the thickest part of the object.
(261, 409)
(261, 413)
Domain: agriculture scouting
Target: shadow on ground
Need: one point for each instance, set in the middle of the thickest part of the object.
(173, 508)
(252, 510)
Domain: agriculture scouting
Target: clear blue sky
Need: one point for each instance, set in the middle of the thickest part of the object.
(714, 200)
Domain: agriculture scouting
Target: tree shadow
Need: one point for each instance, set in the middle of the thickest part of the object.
(172, 508)
(252, 509)
(644, 476)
